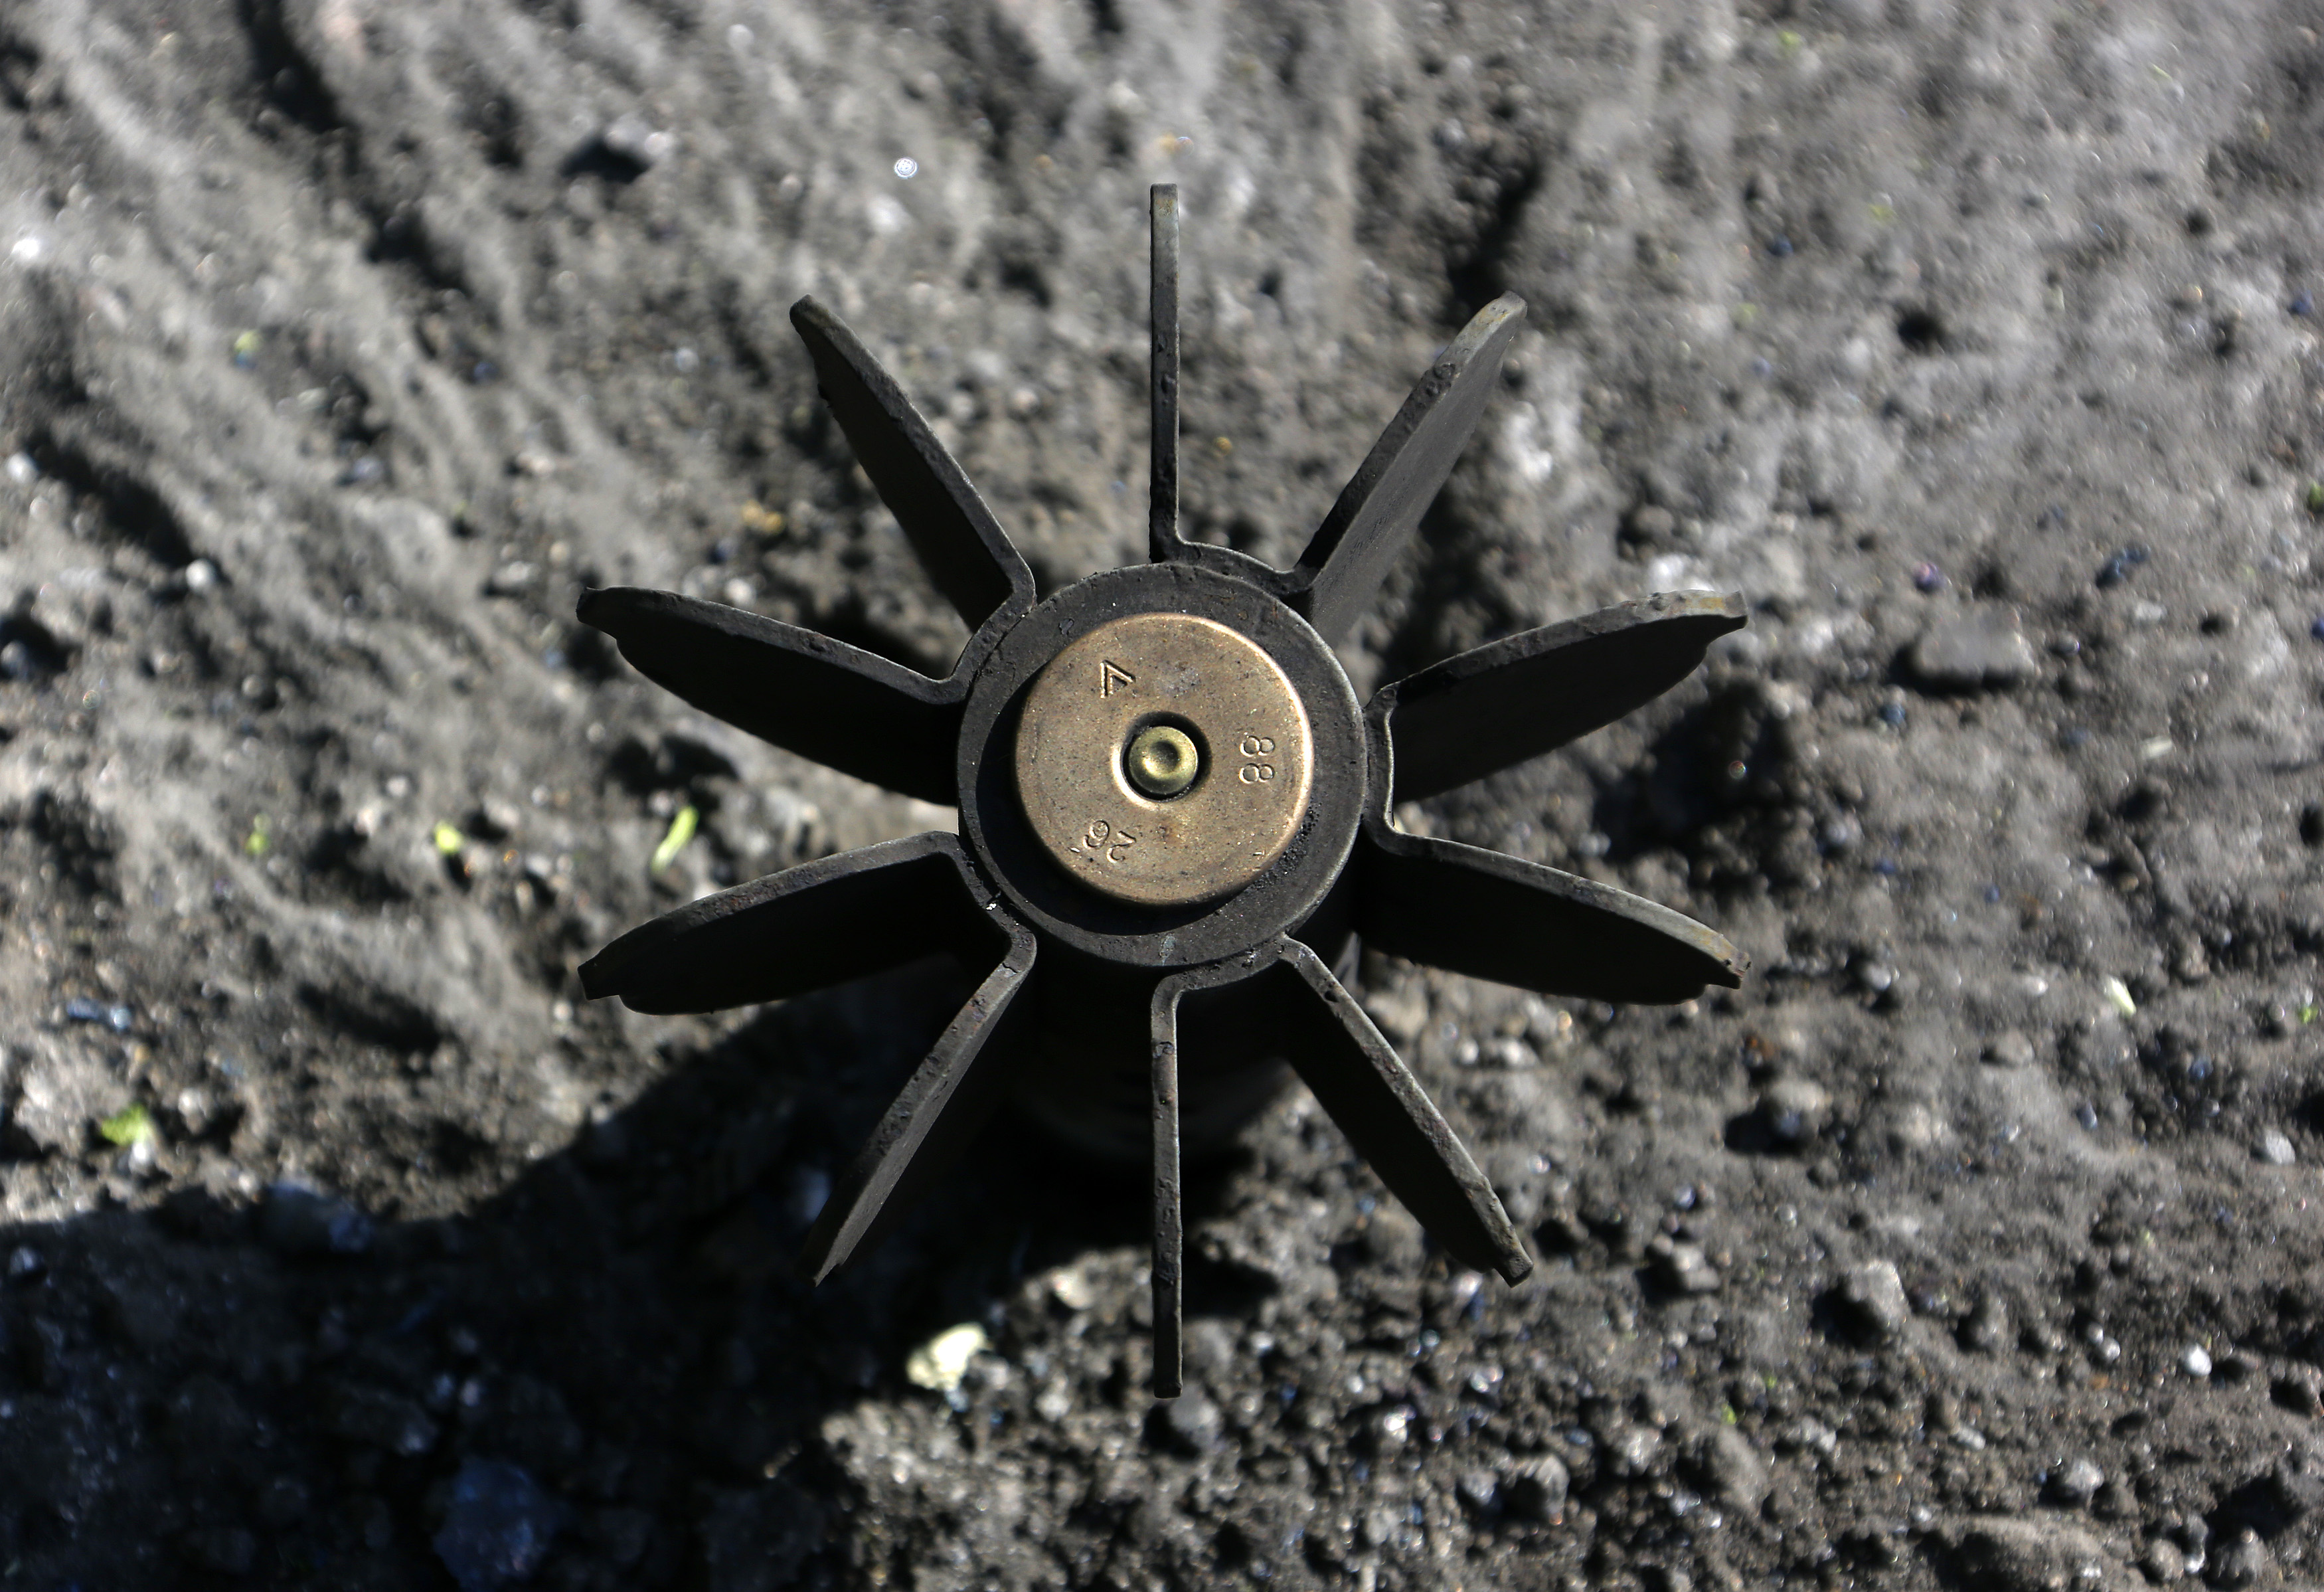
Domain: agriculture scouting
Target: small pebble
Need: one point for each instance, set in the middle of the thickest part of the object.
(1988, 1328)
(1191, 1423)
(26, 1265)
(497, 1525)
(2162, 1561)
(2275, 1149)
(1793, 1109)
(1477, 1491)
(1927, 577)
(1981, 650)
(637, 141)
(1808, 1435)
(2120, 564)
(1872, 1294)
(297, 1220)
(2075, 1483)
(2010, 1049)
(1536, 1489)
(940, 1363)
(2243, 1562)
(2196, 1361)
(81, 1009)
(1682, 1268)
(2302, 304)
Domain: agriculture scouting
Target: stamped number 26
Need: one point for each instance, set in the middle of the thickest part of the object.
(1103, 841)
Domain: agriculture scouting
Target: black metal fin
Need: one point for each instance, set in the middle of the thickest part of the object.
(844, 708)
(944, 1104)
(1496, 706)
(966, 553)
(1381, 505)
(820, 923)
(1180, 1002)
(1169, 1216)
(1162, 503)
(1357, 1077)
(1517, 922)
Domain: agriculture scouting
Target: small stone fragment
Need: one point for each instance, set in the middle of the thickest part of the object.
(1873, 1297)
(1987, 1328)
(1978, 651)
(1536, 1490)
(2296, 1481)
(377, 1418)
(2001, 1554)
(1730, 1470)
(2011, 1048)
(632, 138)
(1809, 1436)
(2074, 1484)
(1682, 1268)
(497, 1526)
(2162, 1561)
(2196, 1361)
(298, 1220)
(1191, 1423)
(2276, 1148)
(1478, 1490)
(1383, 1436)
(1793, 1109)
(940, 1363)
(2245, 1562)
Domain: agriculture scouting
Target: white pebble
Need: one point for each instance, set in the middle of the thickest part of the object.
(2196, 1361)
(2275, 1149)
(907, 167)
(940, 1363)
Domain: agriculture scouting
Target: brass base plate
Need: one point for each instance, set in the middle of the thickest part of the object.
(1198, 676)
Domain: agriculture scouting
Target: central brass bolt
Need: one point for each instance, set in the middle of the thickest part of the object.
(1162, 761)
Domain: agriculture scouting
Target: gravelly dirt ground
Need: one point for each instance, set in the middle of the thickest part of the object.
(1970, 1242)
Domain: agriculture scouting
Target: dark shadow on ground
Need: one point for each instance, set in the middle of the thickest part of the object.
(206, 1393)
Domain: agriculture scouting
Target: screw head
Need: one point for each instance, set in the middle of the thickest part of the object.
(1162, 760)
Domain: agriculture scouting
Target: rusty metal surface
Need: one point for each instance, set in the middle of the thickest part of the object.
(1144, 1010)
(1240, 716)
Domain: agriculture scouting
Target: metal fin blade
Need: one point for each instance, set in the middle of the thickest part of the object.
(1169, 1216)
(1185, 1003)
(946, 1100)
(1357, 1077)
(844, 708)
(1382, 503)
(1516, 698)
(962, 547)
(820, 923)
(1162, 498)
(1517, 922)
